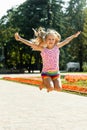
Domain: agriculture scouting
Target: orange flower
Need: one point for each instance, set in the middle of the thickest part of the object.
(74, 88)
(75, 78)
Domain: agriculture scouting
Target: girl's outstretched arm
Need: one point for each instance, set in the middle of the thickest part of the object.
(29, 43)
(67, 40)
(18, 38)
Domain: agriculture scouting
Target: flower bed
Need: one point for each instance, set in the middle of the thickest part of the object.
(30, 80)
(37, 81)
(75, 78)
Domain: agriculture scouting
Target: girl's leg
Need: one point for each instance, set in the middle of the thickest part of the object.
(42, 85)
(57, 84)
(48, 83)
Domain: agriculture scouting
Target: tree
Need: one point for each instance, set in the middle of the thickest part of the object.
(84, 35)
(74, 16)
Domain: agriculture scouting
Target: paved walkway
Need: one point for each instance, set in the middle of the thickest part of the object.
(25, 107)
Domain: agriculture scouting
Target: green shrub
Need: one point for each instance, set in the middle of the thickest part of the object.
(84, 67)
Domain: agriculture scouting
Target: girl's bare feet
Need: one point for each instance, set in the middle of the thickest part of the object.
(57, 89)
(41, 86)
(49, 89)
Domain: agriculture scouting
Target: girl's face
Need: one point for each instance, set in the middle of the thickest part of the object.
(50, 41)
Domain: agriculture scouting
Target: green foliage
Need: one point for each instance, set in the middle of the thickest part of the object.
(84, 35)
(84, 67)
(74, 18)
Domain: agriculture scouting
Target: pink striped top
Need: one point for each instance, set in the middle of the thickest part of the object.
(50, 59)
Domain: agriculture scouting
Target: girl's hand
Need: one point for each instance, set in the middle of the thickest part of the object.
(17, 37)
(77, 34)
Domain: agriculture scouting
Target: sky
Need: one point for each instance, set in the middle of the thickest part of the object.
(8, 4)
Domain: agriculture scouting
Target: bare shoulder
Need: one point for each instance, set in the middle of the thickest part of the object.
(59, 44)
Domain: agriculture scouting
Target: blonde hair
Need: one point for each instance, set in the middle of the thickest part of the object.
(41, 34)
(55, 33)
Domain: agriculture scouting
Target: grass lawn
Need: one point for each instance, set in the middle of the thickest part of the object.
(78, 73)
(78, 83)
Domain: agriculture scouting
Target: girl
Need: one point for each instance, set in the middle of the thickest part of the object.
(50, 57)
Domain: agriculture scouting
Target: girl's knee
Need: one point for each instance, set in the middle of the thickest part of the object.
(48, 82)
(57, 83)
